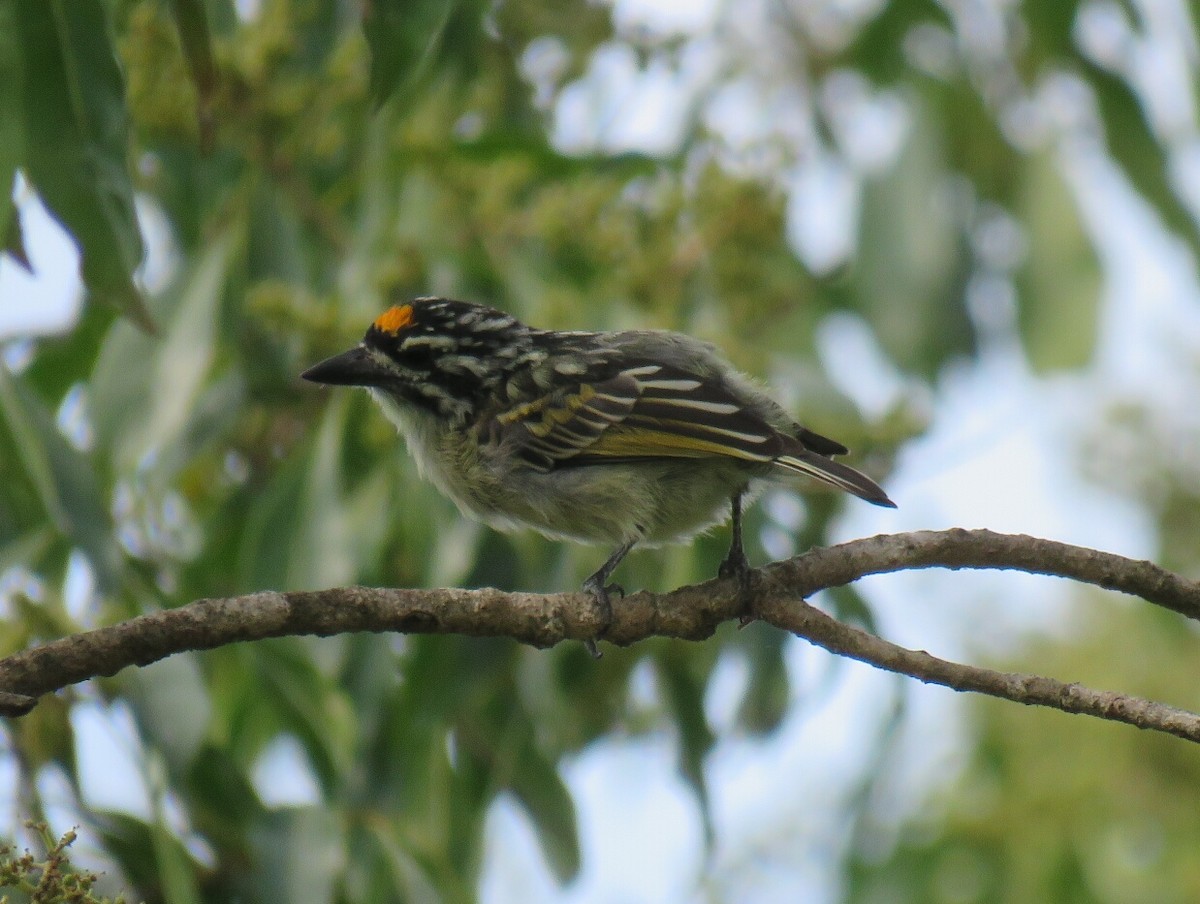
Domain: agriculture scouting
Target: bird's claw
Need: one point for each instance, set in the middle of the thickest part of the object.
(600, 595)
(737, 567)
(596, 586)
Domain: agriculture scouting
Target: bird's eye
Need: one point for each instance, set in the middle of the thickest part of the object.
(420, 357)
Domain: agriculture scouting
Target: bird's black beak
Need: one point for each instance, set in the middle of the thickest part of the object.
(353, 368)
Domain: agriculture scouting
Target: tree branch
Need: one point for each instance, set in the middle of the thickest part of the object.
(776, 596)
(957, 548)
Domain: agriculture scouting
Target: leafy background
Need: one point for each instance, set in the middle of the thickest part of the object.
(959, 237)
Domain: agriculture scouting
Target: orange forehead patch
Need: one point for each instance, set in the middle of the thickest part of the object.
(394, 319)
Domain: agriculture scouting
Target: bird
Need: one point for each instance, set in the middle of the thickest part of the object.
(622, 438)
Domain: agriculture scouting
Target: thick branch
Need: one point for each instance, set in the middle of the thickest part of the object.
(693, 613)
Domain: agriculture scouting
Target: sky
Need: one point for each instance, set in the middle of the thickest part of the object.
(1001, 452)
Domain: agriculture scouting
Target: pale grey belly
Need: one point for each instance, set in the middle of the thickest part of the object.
(655, 502)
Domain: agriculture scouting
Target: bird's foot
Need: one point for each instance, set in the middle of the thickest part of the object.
(602, 596)
(737, 567)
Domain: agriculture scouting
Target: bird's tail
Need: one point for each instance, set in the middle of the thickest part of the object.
(835, 474)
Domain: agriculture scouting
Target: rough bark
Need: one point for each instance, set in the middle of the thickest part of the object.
(776, 595)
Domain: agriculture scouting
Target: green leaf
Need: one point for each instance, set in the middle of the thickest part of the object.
(410, 879)
(12, 138)
(270, 529)
(911, 262)
(14, 240)
(1059, 286)
(127, 840)
(150, 857)
(21, 505)
(684, 696)
(541, 790)
(877, 50)
(304, 530)
(26, 550)
(41, 620)
(974, 144)
(143, 410)
(765, 702)
(65, 360)
(852, 607)
(275, 240)
(172, 706)
(63, 478)
(1138, 151)
(1051, 34)
(47, 736)
(196, 41)
(501, 144)
(77, 131)
(306, 703)
(298, 855)
(403, 36)
(175, 868)
(224, 798)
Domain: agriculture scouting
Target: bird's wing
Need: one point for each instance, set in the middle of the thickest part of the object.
(647, 411)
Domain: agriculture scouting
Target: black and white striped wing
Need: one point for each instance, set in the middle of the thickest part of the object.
(649, 411)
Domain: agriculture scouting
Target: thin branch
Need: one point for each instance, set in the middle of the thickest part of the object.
(825, 631)
(776, 596)
(957, 548)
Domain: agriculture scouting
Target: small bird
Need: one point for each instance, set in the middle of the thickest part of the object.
(619, 438)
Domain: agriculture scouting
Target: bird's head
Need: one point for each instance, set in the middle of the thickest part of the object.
(437, 354)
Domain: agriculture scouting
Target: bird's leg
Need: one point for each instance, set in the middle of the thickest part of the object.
(597, 585)
(735, 564)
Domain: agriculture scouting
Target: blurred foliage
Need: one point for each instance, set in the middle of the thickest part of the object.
(50, 880)
(1057, 808)
(293, 164)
